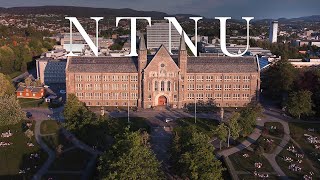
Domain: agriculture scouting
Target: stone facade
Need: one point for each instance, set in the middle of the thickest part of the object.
(163, 79)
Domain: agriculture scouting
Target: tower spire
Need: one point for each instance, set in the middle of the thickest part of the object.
(182, 43)
(142, 45)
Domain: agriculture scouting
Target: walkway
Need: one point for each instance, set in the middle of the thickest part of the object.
(43, 170)
(269, 116)
(77, 144)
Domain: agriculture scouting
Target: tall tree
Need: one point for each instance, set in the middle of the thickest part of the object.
(6, 86)
(193, 156)
(300, 103)
(234, 125)
(279, 78)
(77, 115)
(248, 117)
(129, 158)
(222, 132)
(11, 112)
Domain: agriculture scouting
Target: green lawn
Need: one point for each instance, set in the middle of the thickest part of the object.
(17, 155)
(268, 147)
(277, 132)
(297, 131)
(101, 133)
(203, 125)
(53, 141)
(284, 165)
(29, 103)
(15, 74)
(49, 127)
(73, 160)
(241, 163)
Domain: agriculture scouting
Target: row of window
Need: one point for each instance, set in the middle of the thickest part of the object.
(164, 86)
(107, 96)
(218, 96)
(218, 87)
(162, 74)
(114, 78)
(220, 78)
(109, 104)
(99, 87)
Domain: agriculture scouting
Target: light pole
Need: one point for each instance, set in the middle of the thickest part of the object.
(228, 136)
(129, 98)
(195, 109)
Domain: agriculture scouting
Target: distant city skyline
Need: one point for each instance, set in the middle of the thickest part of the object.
(259, 9)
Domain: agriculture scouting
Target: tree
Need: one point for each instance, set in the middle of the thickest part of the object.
(193, 156)
(279, 78)
(77, 115)
(248, 118)
(222, 132)
(29, 133)
(11, 112)
(129, 158)
(234, 126)
(6, 86)
(300, 103)
(28, 81)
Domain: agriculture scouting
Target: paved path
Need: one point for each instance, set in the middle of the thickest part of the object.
(269, 116)
(44, 146)
(272, 157)
(246, 143)
(78, 143)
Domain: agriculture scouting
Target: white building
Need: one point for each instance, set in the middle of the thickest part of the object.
(273, 36)
(158, 34)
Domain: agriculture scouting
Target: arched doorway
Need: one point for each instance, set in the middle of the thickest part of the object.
(162, 101)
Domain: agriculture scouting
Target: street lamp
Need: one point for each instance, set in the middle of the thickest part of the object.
(195, 109)
(228, 136)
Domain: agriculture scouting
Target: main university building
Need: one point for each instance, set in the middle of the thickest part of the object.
(163, 80)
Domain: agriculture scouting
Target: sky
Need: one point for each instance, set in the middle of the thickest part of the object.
(259, 9)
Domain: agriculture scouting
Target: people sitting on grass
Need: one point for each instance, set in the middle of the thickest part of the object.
(295, 168)
(261, 175)
(288, 159)
(258, 165)
(6, 134)
(245, 155)
(4, 144)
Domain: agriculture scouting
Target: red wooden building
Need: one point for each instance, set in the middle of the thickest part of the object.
(30, 92)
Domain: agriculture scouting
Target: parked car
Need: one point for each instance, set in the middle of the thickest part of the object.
(168, 120)
(28, 115)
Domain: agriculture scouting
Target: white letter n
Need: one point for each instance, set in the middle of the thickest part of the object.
(83, 33)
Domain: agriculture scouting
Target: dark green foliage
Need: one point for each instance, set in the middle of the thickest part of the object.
(129, 158)
(193, 156)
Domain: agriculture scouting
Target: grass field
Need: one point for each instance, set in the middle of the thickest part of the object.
(49, 127)
(284, 165)
(30, 103)
(297, 131)
(241, 163)
(203, 125)
(17, 155)
(73, 160)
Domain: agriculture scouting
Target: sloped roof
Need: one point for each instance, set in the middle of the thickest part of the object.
(103, 64)
(194, 64)
(222, 64)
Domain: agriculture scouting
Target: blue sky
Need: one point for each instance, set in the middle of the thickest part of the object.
(259, 9)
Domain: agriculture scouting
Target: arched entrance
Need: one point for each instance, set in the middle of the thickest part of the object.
(162, 101)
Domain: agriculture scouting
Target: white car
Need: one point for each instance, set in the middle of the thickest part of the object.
(169, 120)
